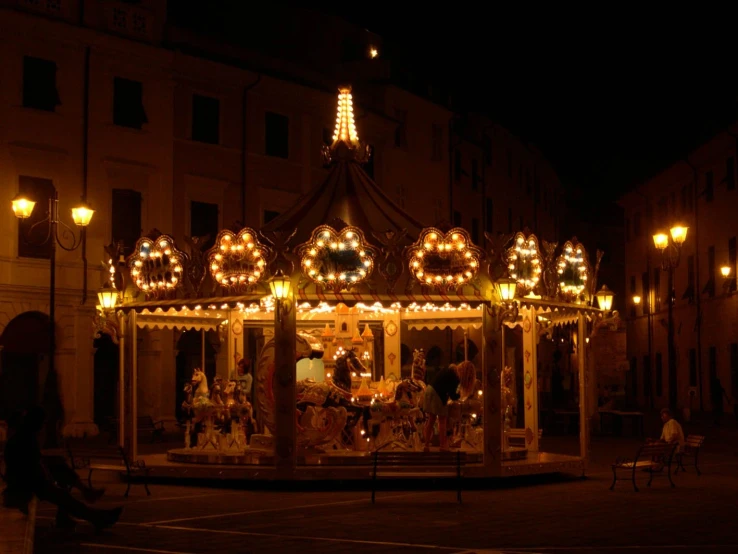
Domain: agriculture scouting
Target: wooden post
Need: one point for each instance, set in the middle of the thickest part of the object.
(134, 386)
(122, 320)
(530, 379)
(492, 348)
(285, 334)
(583, 389)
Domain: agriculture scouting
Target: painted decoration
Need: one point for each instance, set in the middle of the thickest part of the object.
(157, 266)
(444, 260)
(573, 270)
(237, 260)
(335, 259)
(524, 262)
(391, 329)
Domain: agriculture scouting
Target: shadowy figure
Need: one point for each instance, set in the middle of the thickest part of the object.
(717, 393)
(50, 479)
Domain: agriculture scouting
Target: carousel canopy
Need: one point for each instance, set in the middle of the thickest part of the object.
(347, 194)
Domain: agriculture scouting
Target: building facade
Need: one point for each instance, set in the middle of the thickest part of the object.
(157, 127)
(699, 192)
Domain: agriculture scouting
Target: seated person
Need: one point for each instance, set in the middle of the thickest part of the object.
(672, 431)
(28, 475)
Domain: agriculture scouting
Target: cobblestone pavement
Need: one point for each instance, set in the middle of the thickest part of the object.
(552, 515)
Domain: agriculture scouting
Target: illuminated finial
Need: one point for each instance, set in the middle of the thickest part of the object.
(345, 138)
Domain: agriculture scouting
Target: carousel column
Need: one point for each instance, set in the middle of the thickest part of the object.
(583, 386)
(392, 345)
(133, 391)
(122, 361)
(285, 346)
(530, 379)
(492, 366)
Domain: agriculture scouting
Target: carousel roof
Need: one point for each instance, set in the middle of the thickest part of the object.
(347, 194)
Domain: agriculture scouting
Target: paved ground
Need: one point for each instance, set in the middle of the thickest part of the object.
(551, 516)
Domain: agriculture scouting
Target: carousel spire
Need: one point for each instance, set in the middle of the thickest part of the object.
(346, 143)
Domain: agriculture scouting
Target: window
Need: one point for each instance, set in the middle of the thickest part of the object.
(637, 224)
(732, 263)
(659, 376)
(39, 84)
(632, 284)
(457, 219)
(730, 173)
(692, 367)
(369, 165)
(710, 286)
(270, 215)
(204, 222)
(128, 109)
(475, 174)
(489, 213)
(475, 230)
(712, 363)
(327, 136)
(31, 243)
(647, 382)
(734, 369)
(657, 289)
(437, 146)
(401, 129)
(126, 218)
(487, 147)
(205, 119)
(709, 189)
(646, 293)
(457, 165)
(277, 135)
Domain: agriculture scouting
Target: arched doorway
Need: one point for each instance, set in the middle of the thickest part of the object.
(189, 356)
(24, 362)
(106, 364)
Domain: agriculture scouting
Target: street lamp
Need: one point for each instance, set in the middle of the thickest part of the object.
(636, 300)
(280, 285)
(506, 288)
(671, 252)
(108, 297)
(604, 298)
(81, 215)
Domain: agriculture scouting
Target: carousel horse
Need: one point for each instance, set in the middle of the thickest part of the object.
(417, 371)
(189, 398)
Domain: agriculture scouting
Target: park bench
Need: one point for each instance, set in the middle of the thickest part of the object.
(517, 436)
(417, 465)
(108, 458)
(650, 457)
(692, 446)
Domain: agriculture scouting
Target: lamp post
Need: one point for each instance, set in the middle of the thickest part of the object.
(670, 247)
(81, 215)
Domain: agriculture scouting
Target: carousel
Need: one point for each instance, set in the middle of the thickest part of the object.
(348, 308)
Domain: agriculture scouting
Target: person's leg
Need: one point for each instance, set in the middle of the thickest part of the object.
(66, 477)
(428, 431)
(69, 506)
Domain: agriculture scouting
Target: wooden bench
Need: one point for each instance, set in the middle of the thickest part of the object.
(428, 465)
(692, 446)
(518, 435)
(17, 529)
(104, 459)
(651, 457)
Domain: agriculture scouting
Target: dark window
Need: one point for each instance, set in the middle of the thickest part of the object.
(487, 146)
(637, 224)
(277, 135)
(475, 174)
(710, 286)
(457, 165)
(712, 363)
(509, 164)
(457, 219)
(475, 230)
(632, 284)
(204, 222)
(692, 367)
(128, 108)
(734, 369)
(31, 243)
(369, 165)
(401, 129)
(657, 289)
(39, 84)
(659, 376)
(647, 381)
(327, 136)
(709, 189)
(490, 215)
(205, 119)
(634, 377)
(437, 146)
(269, 215)
(126, 218)
(646, 293)
(730, 173)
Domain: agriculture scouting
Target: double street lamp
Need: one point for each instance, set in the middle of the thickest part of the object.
(670, 247)
(81, 215)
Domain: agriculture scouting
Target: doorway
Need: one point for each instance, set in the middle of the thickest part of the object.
(106, 377)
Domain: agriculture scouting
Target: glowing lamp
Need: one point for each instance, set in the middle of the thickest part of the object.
(679, 234)
(507, 287)
(636, 300)
(725, 271)
(661, 240)
(373, 52)
(82, 215)
(280, 285)
(22, 206)
(604, 298)
(108, 297)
